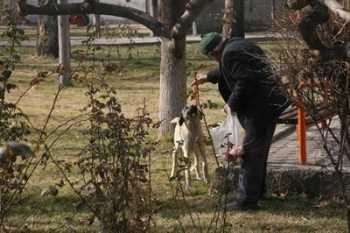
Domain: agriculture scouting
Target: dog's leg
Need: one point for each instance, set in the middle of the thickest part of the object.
(203, 155)
(174, 162)
(186, 154)
(197, 155)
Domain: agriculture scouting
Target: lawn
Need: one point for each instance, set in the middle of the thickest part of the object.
(136, 79)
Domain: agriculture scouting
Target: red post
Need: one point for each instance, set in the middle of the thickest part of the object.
(301, 134)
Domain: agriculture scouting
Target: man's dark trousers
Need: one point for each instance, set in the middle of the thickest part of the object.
(256, 145)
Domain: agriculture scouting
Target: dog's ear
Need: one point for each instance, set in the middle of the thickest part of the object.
(175, 120)
(181, 120)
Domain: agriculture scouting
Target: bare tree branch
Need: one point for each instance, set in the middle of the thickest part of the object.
(337, 9)
(317, 15)
(193, 9)
(332, 5)
(92, 7)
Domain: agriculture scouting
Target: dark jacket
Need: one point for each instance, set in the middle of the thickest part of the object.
(246, 82)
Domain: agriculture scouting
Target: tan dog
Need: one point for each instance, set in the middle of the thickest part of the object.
(189, 138)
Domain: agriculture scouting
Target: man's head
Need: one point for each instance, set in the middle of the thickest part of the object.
(211, 45)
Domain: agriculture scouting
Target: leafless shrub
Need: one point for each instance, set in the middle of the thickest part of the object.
(317, 83)
(14, 126)
(114, 164)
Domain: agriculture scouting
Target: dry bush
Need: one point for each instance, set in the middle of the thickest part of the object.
(14, 127)
(314, 82)
(114, 165)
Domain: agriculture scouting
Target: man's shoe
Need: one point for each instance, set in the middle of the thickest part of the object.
(241, 206)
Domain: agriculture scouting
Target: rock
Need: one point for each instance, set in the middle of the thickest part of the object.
(50, 191)
(20, 149)
(14, 149)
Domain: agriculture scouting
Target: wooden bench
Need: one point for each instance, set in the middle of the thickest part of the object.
(298, 116)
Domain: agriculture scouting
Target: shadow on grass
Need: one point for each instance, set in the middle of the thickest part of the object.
(297, 206)
(46, 206)
(235, 228)
(198, 202)
(62, 229)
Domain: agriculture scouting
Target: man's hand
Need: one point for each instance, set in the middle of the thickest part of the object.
(200, 79)
(234, 153)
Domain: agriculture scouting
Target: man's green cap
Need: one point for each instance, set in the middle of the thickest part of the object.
(209, 42)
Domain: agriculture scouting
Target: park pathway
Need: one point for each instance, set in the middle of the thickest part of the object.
(284, 152)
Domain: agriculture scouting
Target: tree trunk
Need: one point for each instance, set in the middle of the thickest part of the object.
(273, 10)
(47, 41)
(155, 9)
(10, 6)
(148, 6)
(97, 24)
(2, 6)
(172, 70)
(233, 25)
(347, 4)
(64, 47)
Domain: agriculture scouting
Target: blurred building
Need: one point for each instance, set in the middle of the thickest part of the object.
(258, 15)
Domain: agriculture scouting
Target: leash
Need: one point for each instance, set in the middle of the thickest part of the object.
(194, 97)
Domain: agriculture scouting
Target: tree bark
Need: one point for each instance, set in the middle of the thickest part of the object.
(233, 25)
(97, 24)
(347, 5)
(92, 7)
(193, 9)
(172, 96)
(273, 10)
(155, 8)
(64, 48)
(148, 7)
(2, 5)
(47, 40)
(8, 10)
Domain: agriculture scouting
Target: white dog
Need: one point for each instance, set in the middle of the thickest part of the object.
(189, 138)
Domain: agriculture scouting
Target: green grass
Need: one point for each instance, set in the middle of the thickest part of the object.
(136, 80)
(111, 30)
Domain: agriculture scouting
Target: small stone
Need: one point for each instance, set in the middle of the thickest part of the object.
(50, 191)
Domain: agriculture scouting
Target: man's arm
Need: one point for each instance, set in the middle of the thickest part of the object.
(213, 76)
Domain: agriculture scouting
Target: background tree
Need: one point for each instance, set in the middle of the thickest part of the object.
(155, 8)
(64, 48)
(176, 17)
(97, 24)
(172, 96)
(148, 7)
(47, 36)
(233, 21)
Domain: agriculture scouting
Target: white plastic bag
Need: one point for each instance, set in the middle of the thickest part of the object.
(228, 131)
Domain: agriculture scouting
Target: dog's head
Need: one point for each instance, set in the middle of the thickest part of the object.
(190, 113)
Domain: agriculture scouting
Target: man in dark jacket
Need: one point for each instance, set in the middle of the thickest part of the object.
(246, 83)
